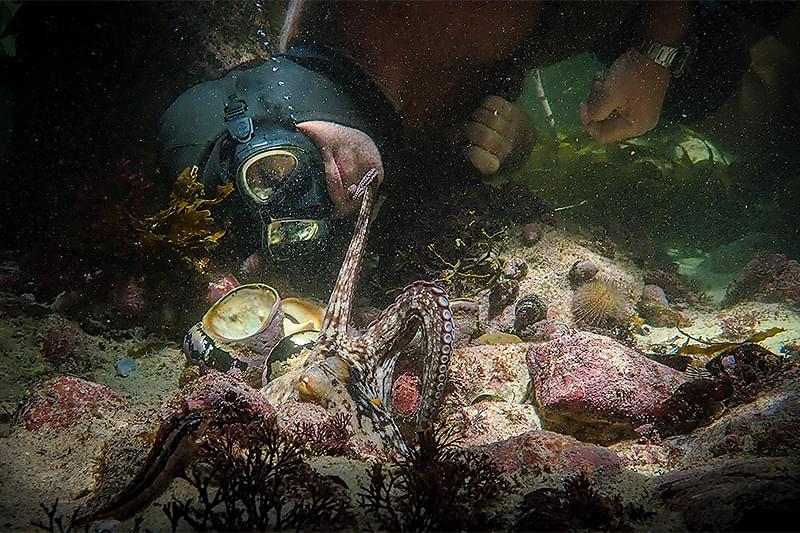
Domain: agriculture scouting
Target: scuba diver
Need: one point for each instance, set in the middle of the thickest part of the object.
(402, 88)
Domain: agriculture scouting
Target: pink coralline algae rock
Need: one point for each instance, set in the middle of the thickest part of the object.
(405, 394)
(655, 294)
(560, 453)
(65, 401)
(217, 392)
(63, 341)
(769, 278)
(597, 389)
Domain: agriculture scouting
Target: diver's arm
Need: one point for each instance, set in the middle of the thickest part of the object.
(626, 101)
(665, 22)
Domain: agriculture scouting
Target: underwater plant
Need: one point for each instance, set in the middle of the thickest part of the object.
(329, 438)
(600, 303)
(576, 505)
(58, 522)
(437, 486)
(186, 225)
(252, 477)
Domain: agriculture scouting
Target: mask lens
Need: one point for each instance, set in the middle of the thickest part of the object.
(294, 236)
(265, 172)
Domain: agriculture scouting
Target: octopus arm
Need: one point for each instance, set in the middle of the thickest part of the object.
(420, 304)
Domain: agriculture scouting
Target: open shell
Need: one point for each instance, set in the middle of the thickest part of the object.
(300, 315)
(242, 313)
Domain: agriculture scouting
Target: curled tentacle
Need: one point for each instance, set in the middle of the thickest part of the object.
(425, 304)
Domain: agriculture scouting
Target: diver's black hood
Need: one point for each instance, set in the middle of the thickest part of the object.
(301, 85)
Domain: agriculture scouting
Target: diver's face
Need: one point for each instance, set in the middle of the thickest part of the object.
(348, 154)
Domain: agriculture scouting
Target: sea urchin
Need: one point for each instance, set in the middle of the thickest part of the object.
(599, 303)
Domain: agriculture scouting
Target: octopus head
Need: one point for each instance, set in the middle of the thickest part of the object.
(317, 383)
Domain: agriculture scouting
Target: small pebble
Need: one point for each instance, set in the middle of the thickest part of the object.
(531, 233)
(126, 367)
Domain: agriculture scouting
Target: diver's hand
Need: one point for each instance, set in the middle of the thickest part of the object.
(495, 129)
(626, 101)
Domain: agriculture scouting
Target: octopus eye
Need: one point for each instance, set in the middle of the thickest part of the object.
(314, 386)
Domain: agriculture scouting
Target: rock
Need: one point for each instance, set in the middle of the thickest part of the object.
(595, 388)
(770, 425)
(767, 277)
(735, 494)
(559, 453)
(475, 370)
(532, 233)
(546, 330)
(582, 271)
(746, 367)
(488, 422)
(515, 268)
(465, 322)
(65, 342)
(65, 401)
(655, 309)
(675, 287)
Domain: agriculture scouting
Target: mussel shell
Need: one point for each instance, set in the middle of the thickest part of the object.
(288, 348)
(301, 315)
(242, 313)
(202, 350)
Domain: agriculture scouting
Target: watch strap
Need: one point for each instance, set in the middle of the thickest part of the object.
(674, 58)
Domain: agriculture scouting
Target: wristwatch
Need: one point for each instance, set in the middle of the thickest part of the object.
(674, 58)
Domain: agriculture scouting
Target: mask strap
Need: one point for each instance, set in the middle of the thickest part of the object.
(240, 125)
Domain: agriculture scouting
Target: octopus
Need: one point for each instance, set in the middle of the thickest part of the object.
(346, 372)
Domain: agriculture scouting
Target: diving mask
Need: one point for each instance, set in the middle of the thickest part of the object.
(281, 177)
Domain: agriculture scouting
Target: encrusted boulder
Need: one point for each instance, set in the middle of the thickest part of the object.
(497, 369)
(594, 388)
(561, 454)
(753, 494)
(492, 421)
(769, 425)
(66, 401)
(767, 277)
